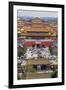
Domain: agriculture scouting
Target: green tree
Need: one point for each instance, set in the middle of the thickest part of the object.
(54, 74)
(21, 50)
(30, 69)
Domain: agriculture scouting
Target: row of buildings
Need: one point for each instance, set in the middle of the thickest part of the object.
(38, 33)
(36, 29)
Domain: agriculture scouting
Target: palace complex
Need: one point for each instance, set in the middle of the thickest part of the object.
(39, 37)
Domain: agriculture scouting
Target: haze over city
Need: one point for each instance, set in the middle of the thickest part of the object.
(40, 14)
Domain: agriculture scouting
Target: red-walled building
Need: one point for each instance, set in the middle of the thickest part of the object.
(46, 43)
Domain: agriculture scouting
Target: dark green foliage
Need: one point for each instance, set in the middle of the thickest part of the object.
(54, 74)
(21, 50)
(53, 51)
(30, 69)
(18, 35)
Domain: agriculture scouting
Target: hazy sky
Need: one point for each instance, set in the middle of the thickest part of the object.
(30, 13)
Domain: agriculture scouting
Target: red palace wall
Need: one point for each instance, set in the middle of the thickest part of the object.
(46, 44)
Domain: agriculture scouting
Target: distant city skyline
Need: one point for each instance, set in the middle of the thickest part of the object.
(33, 13)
